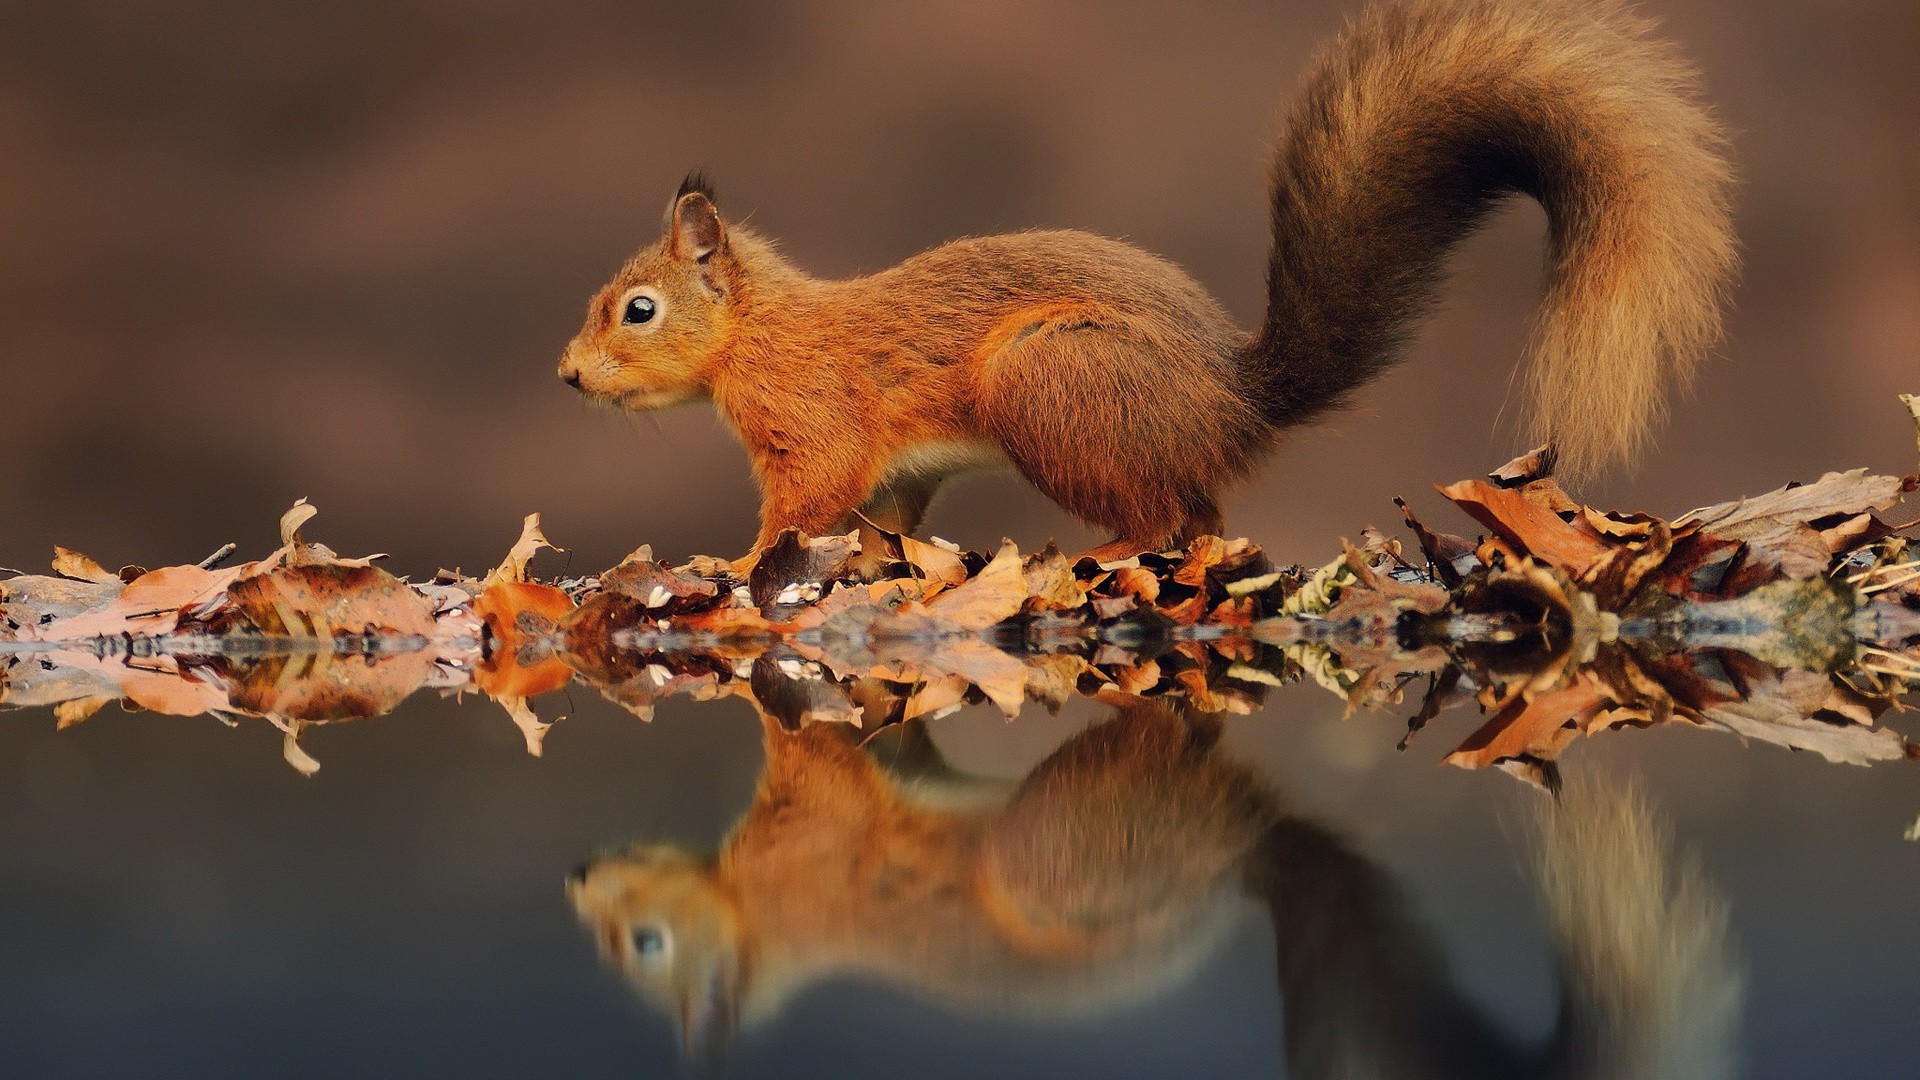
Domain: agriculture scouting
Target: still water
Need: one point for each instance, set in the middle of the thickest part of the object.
(1170, 894)
(1008, 816)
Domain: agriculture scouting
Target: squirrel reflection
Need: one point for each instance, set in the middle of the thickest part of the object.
(1111, 870)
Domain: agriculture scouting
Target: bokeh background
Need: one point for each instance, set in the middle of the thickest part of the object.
(253, 252)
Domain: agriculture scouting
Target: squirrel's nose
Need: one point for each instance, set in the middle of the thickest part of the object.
(570, 377)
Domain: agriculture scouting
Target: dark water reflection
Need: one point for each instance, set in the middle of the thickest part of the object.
(1128, 888)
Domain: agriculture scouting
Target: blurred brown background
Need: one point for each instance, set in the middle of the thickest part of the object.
(255, 252)
(250, 253)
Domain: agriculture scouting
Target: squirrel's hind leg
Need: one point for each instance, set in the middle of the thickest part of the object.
(1122, 429)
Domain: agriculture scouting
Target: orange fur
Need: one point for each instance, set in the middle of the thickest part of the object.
(1107, 873)
(1111, 379)
(1112, 871)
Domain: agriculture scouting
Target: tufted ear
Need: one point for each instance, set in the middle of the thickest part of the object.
(696, 227)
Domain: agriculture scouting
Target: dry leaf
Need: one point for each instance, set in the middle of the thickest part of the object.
(71, 712)
(1528, 525)
(514, 566)
(151, 604)
(329, 600)
(72, 564)
(1051, 583)
(933, 562)
(994, 595)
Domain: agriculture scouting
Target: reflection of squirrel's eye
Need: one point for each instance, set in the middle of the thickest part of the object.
(648, 941)
(639, 309)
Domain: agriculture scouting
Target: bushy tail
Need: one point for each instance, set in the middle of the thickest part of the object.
(1650, 988)
(1422, 117)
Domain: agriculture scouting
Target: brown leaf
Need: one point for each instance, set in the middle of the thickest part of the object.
(994, 595)
(937, 698)
(320, 686)
(514, 566)
(1538, 727)
(934, 562)
(1444, 551)
(522, 619)
(1189, 611)
(1138, 678)
(708, 566)
(1785, 712)
(1778, 527)
(1202, 555)
(1135, 581)
(726, 622)
(1529, 525)
(532, 731)
(796, 693)
(1613, 579)
(1051, 582)
(329, 600)
(1001, 677)
(790, 572)
(1236, 612)
(33, 601)
(71, 712)
(1533, 465)
(515, 610)
(587, 633)
(661, 589)
(1054, 678)
(72, 564)
(151, 604)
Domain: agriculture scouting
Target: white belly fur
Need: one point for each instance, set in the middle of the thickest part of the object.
(939, 460)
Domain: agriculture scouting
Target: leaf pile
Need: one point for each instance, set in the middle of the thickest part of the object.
(1792, 618)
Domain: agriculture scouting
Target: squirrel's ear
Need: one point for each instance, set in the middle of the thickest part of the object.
(696, 228)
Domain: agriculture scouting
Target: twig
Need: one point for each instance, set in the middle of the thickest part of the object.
(226, 551)
(1909, 572)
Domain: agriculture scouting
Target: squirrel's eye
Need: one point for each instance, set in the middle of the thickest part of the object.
(640, 309)
(648, 941)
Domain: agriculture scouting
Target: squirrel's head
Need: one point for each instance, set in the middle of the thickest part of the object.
(654, 330)
(661, 916)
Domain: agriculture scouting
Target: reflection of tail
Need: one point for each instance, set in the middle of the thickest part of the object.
(1649, 989)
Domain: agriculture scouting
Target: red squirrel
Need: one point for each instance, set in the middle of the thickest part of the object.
(1117, 868)
(1119, 387)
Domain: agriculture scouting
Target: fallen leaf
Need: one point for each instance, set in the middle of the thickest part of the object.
(1533, 465)
(1528, 525)
(329, 600)
(793, 570)
(151, 604)
(321, 686)
(936, 698)
(1051, 583)
(994, 595)
(72, 564)
(1537, 726)
(1002, 678)
(933, 562)
(514, 567)
(71, 712)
